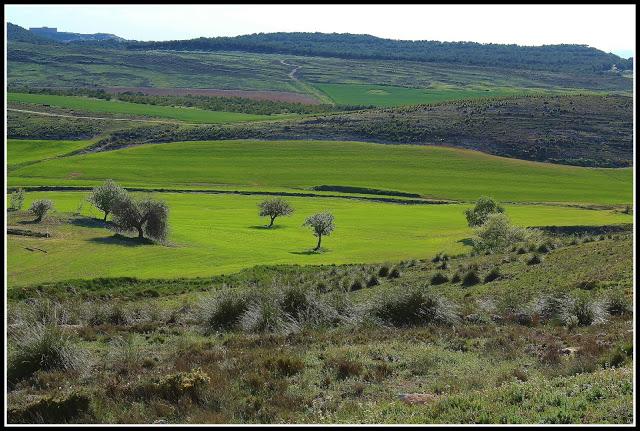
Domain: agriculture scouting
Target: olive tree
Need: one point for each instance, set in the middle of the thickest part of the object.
(321, 224)
(40, 208)
(105, 196)
(145, 216)
(484, 206)
(498, 234)
(275, 208)
(17, 200)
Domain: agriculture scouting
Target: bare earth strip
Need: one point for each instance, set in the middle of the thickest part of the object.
(51, 114)
(279, 96)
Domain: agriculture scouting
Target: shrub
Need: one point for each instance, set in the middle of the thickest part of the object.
(439, 278)
(383, 271)
(395, 273)
(521, 250)
(587, 311)
(617, 303)
(544, 248)
(497, 234)
(471, 278)
(345, 367)
(265, 315)
(41, 347)
(285, 365)
(413, 307)
(17, 200)
(373, 281)
(51, 409)
(456, 278)
(223, 311)
(494, 274)
(40, 208)
(534, 260)
(356, 285)
(190, 384)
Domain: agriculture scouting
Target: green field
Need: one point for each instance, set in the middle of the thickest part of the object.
(189, 115)
(429, 171)
(25, 150)
(213, 234)
(388, 95)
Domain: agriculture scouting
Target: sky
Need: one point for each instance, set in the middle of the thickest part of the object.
(610, 28)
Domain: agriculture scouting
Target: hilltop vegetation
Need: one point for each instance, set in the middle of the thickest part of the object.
(547, 57)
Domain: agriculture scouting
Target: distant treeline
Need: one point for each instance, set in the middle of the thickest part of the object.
(350, 46)
(210, 103)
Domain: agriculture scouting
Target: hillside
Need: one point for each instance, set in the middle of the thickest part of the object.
(576, 130)
(547, 57)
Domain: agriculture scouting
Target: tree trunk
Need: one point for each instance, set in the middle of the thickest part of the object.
(272, 219)
(140, 234)
(106, 213)
(318, 246)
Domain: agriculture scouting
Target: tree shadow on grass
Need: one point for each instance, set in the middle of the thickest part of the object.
(466, 241)
(118, 239)
(310, 252)
(266, 227)
(29, 222)
(88, 222)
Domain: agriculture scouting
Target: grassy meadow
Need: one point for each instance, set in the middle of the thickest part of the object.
(389, 95)
(435, 172)
(214, 234)
(28, 151)
(188, 115)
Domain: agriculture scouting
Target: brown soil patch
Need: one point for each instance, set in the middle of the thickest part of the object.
(278, 96)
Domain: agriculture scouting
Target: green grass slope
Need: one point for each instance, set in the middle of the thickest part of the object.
(190, 115)
(429, 171)
(25, 151)
(387, 95)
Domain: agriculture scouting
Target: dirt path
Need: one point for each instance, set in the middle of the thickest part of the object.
(292, 74)
(51, 114)
(308, 88)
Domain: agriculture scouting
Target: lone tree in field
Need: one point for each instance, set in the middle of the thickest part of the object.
(146, 217)
(484, 206)
(275, 208)
(40, 208)
(17, 200)
(322, 224)
(105, 196)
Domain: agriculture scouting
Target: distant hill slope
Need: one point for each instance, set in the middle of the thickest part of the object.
(572, 130)
(547, 57)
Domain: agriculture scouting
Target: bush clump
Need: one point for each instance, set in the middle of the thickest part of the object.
(494, 274)
(413, 307)
(456, 278)
(41, 347)
(439, 278)
(395, 273)
(383, 271)
(471, 278)
(373, 281)
(534, 260)
(224, 311)
(40, 208)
